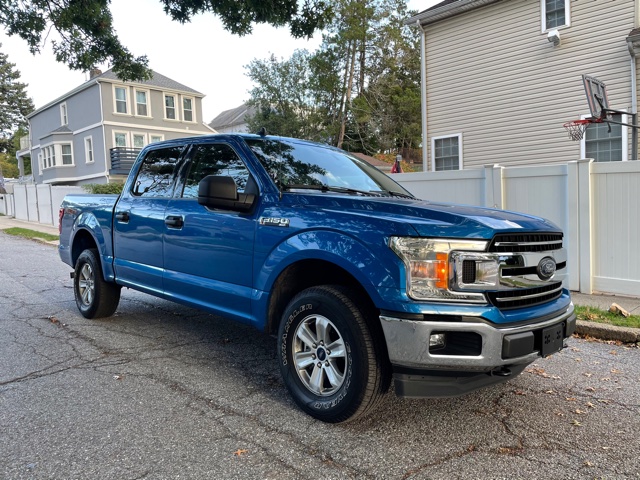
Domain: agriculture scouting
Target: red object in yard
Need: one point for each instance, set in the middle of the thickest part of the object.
(397, 168)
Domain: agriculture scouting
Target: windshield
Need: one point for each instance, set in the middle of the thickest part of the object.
(294, 165)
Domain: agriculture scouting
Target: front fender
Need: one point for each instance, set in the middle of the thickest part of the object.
(374, 266)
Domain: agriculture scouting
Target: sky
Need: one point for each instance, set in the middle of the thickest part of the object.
(201, 54)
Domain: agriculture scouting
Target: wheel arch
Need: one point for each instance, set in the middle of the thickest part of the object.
(295, 278)
(85, 238)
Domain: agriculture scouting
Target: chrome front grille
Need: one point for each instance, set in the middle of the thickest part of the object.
(525, 297)
(526, 242)
(514, 272)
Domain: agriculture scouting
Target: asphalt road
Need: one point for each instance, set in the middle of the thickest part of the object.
(164, 392)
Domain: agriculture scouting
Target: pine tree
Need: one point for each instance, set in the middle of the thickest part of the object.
(15, 105)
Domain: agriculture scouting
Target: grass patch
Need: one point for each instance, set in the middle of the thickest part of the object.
(591, 314)
(32, 234)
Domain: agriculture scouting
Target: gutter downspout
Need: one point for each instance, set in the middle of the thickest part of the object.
(634, 102)
(423, 93)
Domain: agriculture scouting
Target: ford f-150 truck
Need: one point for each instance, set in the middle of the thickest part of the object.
(362, 283)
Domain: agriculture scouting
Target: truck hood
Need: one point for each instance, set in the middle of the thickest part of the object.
(433, 219)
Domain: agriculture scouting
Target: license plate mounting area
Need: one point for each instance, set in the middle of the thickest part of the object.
(552, 339)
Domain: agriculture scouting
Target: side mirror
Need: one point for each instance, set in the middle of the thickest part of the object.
(215, 191)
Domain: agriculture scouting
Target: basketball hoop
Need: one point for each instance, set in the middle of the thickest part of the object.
(576, 128)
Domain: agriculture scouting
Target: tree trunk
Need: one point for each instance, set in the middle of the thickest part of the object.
(347, 96)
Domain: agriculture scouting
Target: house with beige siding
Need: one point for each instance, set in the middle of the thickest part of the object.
(93, 133)
(501, 77)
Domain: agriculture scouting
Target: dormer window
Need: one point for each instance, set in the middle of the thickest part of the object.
(555, 14)
(64, 120)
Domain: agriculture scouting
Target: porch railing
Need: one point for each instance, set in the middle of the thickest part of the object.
(122, 160)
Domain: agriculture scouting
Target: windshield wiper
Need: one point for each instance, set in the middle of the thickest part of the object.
(400, 194)
(329, 188)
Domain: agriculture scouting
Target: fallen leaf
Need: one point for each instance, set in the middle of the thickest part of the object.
(550, 392)
(605, 379)
(580, 412)
(587, 374)
(605, 401)
(613, 370)
(559, 414)
(570, 399)
(588, 464)
(519, 392)
(590, 389)
(590, 405)
(576, 423)
(578, 359)
(613, 352)
(574, 349)
(555, 377)
(240, 452)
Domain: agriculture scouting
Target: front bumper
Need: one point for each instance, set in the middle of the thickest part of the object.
(481, 346)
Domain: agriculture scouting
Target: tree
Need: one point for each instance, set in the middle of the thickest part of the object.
(86, 36)
(376, 61)
(14, 102)
(389, 104)
(360, 90)
(283, 97)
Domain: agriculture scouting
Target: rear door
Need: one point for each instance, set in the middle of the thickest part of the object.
(208, 253)
(139, 221)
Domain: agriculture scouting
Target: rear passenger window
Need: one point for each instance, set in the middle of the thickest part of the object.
(215, 159)
(155, 178)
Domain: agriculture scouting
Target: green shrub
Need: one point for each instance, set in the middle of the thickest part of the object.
(103, 188)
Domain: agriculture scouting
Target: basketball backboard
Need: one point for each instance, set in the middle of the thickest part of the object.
(596, 96)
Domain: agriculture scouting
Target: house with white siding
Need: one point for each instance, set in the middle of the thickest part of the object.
(93, 133)
(501, 77)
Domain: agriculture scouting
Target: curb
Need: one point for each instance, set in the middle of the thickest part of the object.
(608, 332)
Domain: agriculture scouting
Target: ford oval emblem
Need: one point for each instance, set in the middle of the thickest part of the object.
(546, 268)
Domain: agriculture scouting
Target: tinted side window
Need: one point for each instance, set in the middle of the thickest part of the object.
(215, 159)
(155, 177)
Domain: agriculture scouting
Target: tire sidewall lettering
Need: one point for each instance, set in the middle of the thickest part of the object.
(294, 315)
(344, 390)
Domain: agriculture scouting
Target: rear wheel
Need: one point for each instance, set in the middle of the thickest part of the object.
(333, 367)
(95, 297)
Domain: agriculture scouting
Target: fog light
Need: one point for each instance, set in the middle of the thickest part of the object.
(437, 340)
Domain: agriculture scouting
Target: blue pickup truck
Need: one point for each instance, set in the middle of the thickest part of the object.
(362, 283)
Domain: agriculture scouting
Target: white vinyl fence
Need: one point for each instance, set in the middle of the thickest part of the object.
(35, 203)
(597, 205)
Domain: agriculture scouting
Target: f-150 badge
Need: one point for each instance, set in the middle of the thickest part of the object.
(274, 222)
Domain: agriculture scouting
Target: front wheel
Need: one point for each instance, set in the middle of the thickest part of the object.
(332, 365)
(95, 297)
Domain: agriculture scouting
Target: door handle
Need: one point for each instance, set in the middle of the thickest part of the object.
(122, 217)
(174, 221)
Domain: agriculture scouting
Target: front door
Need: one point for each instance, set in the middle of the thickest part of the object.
(208, 254)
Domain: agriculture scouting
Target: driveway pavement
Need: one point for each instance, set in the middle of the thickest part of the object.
(160, 391)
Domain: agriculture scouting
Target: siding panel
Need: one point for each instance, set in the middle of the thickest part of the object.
(492, 75)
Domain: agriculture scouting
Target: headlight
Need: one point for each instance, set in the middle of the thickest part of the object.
(431, 269)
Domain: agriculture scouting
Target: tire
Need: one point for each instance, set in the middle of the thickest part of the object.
(95, 297)
(333, 367)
